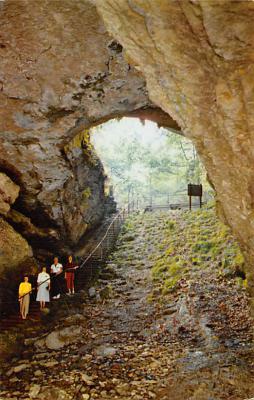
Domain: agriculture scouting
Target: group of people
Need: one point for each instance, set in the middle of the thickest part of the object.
(48, 285)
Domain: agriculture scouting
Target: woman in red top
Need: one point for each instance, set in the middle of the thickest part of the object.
(70, 275)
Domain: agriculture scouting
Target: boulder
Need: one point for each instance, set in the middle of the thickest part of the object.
(197, 59)
(9, 191)
(60, 338)
(15, 259)
(78, 76)
(14, 248)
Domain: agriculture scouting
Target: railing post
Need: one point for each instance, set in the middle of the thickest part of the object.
(106, 245)
(101, 251)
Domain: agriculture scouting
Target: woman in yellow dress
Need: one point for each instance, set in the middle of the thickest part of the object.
(24, 296)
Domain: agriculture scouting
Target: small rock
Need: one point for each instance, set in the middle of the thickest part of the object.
(38, 372)
(87, 379)
(91, 292)
(49, 364)
(34, 391)
(20, 368)
(42, 355)
(10, 372)
(98, 297)
(85, 396)
(55, 393)
(105, 351)
(123, 389)
(13, 380)
(75, 319)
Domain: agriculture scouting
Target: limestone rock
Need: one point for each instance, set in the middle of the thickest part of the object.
(34, 391)
(8, 193)
(76, 319)
(105, 351)
(92, 292)
(49, 364)
(87, 379)
(54, 393)
(123, 389)
(54, 85)
(60, 338)
(20, 368)
(14, 248)
(37, 373)
(85, 396)
(15, 259)
(197, 59)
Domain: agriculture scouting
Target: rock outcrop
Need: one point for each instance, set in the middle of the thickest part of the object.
(8, 193)
(14, 248)
(15, 252)
(197, 59)
(61, 73)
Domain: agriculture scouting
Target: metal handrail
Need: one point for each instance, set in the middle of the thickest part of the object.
(99, 244)
(87, 258)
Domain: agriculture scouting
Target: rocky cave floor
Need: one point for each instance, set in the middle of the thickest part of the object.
(137, 335)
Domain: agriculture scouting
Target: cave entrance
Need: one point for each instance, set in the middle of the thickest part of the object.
(146, 164)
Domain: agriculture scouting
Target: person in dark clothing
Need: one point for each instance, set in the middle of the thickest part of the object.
(56, 281)
(70, 275)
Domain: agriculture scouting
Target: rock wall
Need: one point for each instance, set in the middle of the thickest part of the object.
(197, 59)
(60, 73)
(13, 246)
(15, 252)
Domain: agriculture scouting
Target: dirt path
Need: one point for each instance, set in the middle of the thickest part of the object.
(193, 344)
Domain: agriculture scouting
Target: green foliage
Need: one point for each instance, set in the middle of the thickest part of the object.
(178, 246)
(86, 194)
(196, 240)
(169, 270)
(82, 141)
(143, 168)
(170, 284)
(170, 224)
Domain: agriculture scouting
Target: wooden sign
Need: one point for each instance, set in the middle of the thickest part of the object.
(195, 190)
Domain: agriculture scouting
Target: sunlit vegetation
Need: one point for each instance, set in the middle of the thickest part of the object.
(196, 240)
(146, 163)
(82, 141)
(181, 242)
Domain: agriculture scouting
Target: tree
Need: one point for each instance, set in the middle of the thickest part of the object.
(161, 165)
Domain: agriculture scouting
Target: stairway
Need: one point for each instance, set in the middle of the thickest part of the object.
(15, 320)
(89, 266)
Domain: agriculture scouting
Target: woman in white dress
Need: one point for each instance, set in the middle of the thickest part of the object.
(43, 282)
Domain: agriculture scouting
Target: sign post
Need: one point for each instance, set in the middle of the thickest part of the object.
(195, 190)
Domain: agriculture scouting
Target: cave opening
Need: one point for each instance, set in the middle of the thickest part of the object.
(146, 164)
